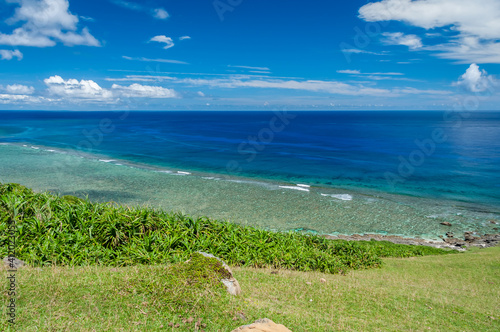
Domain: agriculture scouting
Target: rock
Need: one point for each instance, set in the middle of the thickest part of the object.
(323, 280)
(446, 223)
(450, 234)
(262, 325)
(13, 263)
(493, 222)
(469, 237)
(455, 242)
(232, 285)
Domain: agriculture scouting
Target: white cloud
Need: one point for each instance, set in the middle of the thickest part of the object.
(144, 91)
(249, 67)
(397, 38)
(14, 99)
(378, 76)
(330, 87)
(45, 22)
(476, 24)
(87, 18)
(18, 89)
(128, 5)
(160, 14)
(476, 80)
(333, 87)
(358, 72)
(163, 39)
(8, 55)
(74, 89)
(359, 51)
(469, 49)
(348, 71)
(155, 60)
(184, 37)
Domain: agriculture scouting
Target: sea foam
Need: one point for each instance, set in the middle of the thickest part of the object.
(343, 197)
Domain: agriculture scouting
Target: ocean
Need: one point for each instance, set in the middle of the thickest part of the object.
(342, 172)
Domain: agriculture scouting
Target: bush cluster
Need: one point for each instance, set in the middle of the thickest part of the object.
(71, 231)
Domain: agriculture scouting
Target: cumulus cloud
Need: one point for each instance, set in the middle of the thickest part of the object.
(18, 89)
(398, 38)
(163, 39)
(8, 55)
(144, 91)
(476, 80)
(44, 23)
(476, 24)
(72, 88)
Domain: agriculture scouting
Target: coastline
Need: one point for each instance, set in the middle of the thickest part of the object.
(271, 205)
(448, 242)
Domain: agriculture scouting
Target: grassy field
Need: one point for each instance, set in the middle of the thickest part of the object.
(102, 267)
(433, 293)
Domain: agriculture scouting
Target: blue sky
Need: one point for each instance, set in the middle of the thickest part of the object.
(255, 55)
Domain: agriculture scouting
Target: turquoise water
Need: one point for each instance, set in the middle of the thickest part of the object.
(321, 173)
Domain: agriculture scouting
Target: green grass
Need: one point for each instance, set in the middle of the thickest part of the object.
(68, 231)
(432, 293)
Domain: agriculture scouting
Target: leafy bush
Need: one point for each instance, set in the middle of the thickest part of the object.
(71, 231)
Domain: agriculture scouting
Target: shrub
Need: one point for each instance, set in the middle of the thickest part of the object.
(72, 231)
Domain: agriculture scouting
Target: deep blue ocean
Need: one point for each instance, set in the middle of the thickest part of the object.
(426, 154)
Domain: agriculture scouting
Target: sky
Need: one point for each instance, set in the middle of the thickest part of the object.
(249, 55)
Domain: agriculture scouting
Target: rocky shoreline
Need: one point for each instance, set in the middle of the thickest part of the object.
(468, 239)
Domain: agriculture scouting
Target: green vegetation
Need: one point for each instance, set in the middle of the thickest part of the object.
(179, 286)
(70, 231)
(432, 293)
(101, 267)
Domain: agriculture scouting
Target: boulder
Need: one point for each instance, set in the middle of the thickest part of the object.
(262, 325)
(232, 285)
(13, 263)
(446, 223)
(469, 237)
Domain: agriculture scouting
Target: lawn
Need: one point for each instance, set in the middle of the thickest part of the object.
(433, 293)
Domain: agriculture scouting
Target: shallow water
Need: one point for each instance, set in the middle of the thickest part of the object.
(275, 205)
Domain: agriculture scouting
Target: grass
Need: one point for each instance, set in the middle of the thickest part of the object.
(432, 293)
(68, 231)
(102, 267)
